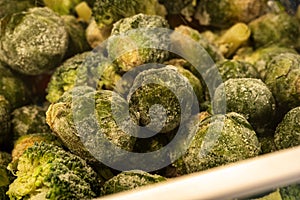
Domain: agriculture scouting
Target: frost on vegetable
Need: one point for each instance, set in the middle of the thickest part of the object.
(217, 140)
(88, 68)
(33, 42)
(83, 119)
(225, 13)
(287, 131)
(162, 98)
(282, 77)
(129, 180)
(275, 28)
(45, 171)
(138, 40)
(249, 97)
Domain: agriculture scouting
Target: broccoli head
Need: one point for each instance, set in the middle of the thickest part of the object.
(129, 180)
(45, 171)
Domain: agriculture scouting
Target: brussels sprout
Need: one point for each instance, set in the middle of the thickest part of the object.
(274, 28)
(5, 176)
(217, 140)
(84, 119)
(225, 13)
(90, 68)
(290, 192)
(287, 131)
(262, 56)
(211, 49)
(62, 7)
(12, 87)
(229, 69)
(282, 75)
(249, 97)
(163, 87)
(8, 7)
(130, 48)
(267, 143)
(5, 124)
(77, 39)
(129, 180)
(33, 42)
(29, 119)
(107, 12)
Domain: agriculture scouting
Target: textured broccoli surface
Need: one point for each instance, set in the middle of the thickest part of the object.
(249, 97)
(291, 192)
(138, 40)
(46, 171)
(34, 41)
(129, 180)
(217, 140)
(8, 7)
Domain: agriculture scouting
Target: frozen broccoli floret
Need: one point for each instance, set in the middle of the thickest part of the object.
(77, 39)
(129, 180)
(225, 13)
(211, 49)
(29, 119)
(62, 7)
(291, 192)
(217, 140)
(5, 124)
(229, 69)
(90, 68)
(34, 41)
(262, 56)
(12, 87)
(267, 143)
(275, 28)
(249, 97)
(45, 171)
(282, 77)
(138, 40)
(94, 123)
(8, 7)
(286, 134)
(153, 97)
(107, 12)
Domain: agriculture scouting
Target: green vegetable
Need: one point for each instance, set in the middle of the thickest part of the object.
(29, 119)
(249, 97)
(62, 7)
(267, 143)
(274, 28)
(262, 56)
(225, 13)
(162, 97)
(291, 192)
(185, 8)
(211, 49)
(129, 180)
(5, 176)
(5, 123)
(8, 7)
(282, 77)
(93, 123)
(46, 171)
(33, 42)
(287, 131)
(107, 12)
(272, 196)
(217, 140)
(138, 40)
(90, 68)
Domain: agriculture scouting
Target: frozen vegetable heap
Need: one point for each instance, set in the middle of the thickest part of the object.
(84, 84)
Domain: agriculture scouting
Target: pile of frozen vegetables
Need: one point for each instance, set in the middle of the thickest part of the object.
(54, 67)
